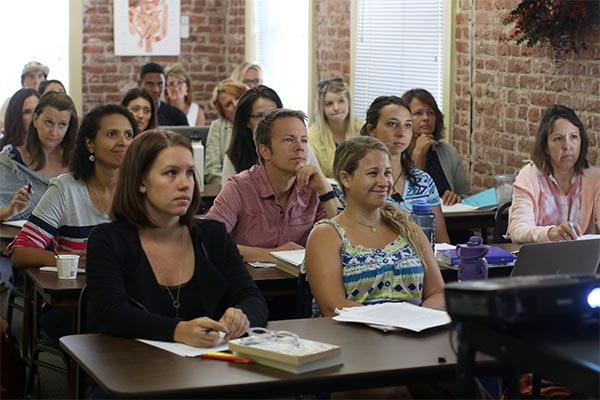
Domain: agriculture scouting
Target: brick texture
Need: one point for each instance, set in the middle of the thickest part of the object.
(500, 89)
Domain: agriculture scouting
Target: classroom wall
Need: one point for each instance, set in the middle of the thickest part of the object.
(500, 88)
(215, 46)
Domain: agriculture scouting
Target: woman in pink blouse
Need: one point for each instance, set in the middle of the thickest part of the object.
(557, 197)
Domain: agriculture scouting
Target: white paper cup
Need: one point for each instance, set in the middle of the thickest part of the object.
(504, 188)
(66, 265)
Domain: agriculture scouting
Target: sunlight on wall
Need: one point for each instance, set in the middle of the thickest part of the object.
(33, 30)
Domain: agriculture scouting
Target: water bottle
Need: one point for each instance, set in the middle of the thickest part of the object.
(198, 160)
(472, 263)
(423, 216)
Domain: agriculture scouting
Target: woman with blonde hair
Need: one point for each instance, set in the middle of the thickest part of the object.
(371, 252)
(334, 122)
(248, 73)
(225, 97)
(180, 93)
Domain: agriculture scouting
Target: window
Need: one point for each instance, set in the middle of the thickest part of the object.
(399, 46)
(278, 41)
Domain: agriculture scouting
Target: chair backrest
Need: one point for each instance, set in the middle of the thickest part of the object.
(501, 223)
(303, 297)
(191, 132)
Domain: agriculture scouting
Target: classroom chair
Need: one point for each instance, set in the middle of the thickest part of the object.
(501, 223)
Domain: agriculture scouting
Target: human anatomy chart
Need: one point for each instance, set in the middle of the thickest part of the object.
(147, 27)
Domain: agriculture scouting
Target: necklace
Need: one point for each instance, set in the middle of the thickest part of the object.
(395, 182)
(176, 303)
(102, 209)
(372, 227)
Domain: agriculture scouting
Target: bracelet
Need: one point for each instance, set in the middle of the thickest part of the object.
(327, 196)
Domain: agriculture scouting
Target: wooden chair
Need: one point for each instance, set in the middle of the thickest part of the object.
(501, 223)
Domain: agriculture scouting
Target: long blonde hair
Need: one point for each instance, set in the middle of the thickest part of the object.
(347, 156)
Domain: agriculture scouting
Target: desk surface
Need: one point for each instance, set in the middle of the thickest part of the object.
(128, 368)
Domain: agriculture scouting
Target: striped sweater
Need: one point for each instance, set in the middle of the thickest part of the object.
(64, 217)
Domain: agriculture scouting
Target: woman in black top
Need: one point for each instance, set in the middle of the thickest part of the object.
(157, 272)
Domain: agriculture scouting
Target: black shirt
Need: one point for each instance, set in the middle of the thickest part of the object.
(169, 115)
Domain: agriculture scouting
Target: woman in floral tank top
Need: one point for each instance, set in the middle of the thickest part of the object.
(371, 252)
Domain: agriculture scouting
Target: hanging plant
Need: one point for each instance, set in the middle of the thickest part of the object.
(562, 24)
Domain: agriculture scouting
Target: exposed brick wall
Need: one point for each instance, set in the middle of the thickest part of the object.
(501, 90)
(333, 39)
(215, 46)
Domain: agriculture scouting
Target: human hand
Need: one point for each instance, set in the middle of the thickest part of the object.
(288, 246)
(423, 142)
(236, 322)
(19, 202)
(565, 231)
(199, 332)
(310, 175)
(449, 198)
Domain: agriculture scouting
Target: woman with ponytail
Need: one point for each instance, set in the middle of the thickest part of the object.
(371, 252)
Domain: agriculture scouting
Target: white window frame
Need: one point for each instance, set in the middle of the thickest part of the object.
(289, 86)
(447, 84)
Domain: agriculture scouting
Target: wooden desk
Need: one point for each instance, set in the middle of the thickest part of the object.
(128, 368)
(210, 191)
(467, 220)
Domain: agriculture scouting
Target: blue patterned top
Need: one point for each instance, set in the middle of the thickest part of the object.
(423, 192)
(393, 273)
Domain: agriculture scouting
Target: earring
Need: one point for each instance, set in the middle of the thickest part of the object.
(92, 158)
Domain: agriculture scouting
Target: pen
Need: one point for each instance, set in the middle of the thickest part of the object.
(572, 228)
(28, 187)
(217, 355)
(207, 330)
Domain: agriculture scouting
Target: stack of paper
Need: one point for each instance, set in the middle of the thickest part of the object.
(394, 316)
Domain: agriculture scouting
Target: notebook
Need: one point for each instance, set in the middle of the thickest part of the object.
(483, 200)
(496, 255)
(567, 257)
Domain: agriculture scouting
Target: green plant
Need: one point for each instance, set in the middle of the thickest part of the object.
(562, 24)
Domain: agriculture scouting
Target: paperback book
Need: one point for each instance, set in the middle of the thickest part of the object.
(289, 354)
(289, 260)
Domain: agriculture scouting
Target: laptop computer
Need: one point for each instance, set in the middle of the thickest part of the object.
(566, 257)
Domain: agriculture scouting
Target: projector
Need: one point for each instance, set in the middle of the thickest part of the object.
(528, 300)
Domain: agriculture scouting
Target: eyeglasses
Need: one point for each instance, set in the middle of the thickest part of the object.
(328, 81)
(264, 335)
(255, 82)
(175, 84)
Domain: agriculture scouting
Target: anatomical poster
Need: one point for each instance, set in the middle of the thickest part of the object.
(147, 27)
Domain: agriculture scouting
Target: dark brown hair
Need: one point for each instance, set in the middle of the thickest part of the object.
(15, 132)
(425, 97)
(61, 102)
(539, 154)
(128, 203)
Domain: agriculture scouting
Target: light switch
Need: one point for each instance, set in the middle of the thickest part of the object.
(185, 26)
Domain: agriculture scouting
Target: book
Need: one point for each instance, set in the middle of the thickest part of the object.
(394, 316)
(482, 200)
(288, 354)
(289, 260)
(496, 255)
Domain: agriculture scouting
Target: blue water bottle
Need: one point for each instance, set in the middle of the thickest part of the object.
(424, 217)
(472, 263)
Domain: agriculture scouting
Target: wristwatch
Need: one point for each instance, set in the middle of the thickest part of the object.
(327, 196)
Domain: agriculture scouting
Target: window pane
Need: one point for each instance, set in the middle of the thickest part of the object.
(399, 46)
(281, 34)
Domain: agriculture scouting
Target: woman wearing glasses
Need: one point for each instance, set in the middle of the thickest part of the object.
(224, 99)
(249, 74)
(334, 122)
(180, 93)
(140, 104)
